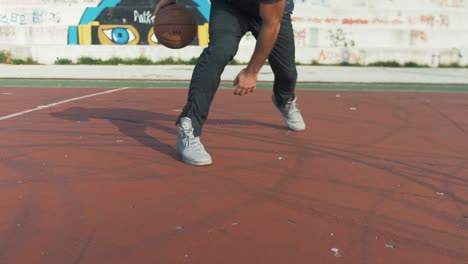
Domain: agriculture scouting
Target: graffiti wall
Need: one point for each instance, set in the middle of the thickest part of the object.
(83, 22)
(349, 30)
(382, 23)
(329, 31)
(128, 22)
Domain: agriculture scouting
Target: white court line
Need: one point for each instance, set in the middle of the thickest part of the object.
(41, 107)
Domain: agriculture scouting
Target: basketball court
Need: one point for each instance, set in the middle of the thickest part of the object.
(89, 174)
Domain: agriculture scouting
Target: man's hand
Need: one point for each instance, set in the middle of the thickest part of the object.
(162, 4)
(245, 82)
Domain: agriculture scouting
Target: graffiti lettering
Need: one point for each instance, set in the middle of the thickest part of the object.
(339, 38)
(348, 21)
(345, 55)
(34, 17)
(143, 18)
(300, 37)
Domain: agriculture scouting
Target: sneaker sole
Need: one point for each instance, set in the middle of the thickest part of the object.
(293, 129)
(296, 129)
(197, 164)
(193, 163)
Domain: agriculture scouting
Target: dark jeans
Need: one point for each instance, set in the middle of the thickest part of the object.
(226, 28)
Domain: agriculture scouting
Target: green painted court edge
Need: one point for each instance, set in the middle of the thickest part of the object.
(179, 84)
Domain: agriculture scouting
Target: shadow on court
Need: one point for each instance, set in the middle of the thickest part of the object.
(134, 124)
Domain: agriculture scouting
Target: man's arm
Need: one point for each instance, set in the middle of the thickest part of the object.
(271, 14)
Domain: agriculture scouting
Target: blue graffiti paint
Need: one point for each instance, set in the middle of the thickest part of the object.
(120, 35)
(73, 35)
(91, 13)
(204, 8)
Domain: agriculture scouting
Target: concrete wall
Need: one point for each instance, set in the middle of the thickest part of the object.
(326, 31)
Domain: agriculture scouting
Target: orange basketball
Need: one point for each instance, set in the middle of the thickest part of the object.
(175, 26)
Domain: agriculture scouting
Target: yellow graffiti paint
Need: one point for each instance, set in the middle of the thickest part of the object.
(85, 33)
(203, 35)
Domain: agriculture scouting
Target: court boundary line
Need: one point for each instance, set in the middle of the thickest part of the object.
(42, 107)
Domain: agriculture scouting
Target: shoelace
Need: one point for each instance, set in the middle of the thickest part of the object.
(292, 111)
(191, 142)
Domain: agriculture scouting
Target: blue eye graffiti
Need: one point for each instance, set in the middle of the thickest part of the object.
(120, 36)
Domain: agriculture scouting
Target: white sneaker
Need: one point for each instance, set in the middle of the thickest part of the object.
(190, 147)
(291, 115)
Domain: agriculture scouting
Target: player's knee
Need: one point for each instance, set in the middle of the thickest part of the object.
(222, 54)
(287, 76)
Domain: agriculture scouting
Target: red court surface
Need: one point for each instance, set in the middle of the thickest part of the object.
(381, 177)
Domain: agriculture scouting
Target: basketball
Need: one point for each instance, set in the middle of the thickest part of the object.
(175, 26)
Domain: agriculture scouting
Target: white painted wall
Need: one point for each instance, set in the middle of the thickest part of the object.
(327, 31)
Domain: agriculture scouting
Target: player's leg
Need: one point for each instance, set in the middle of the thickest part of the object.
(226, 29)
(283, 63)
(282, 60)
